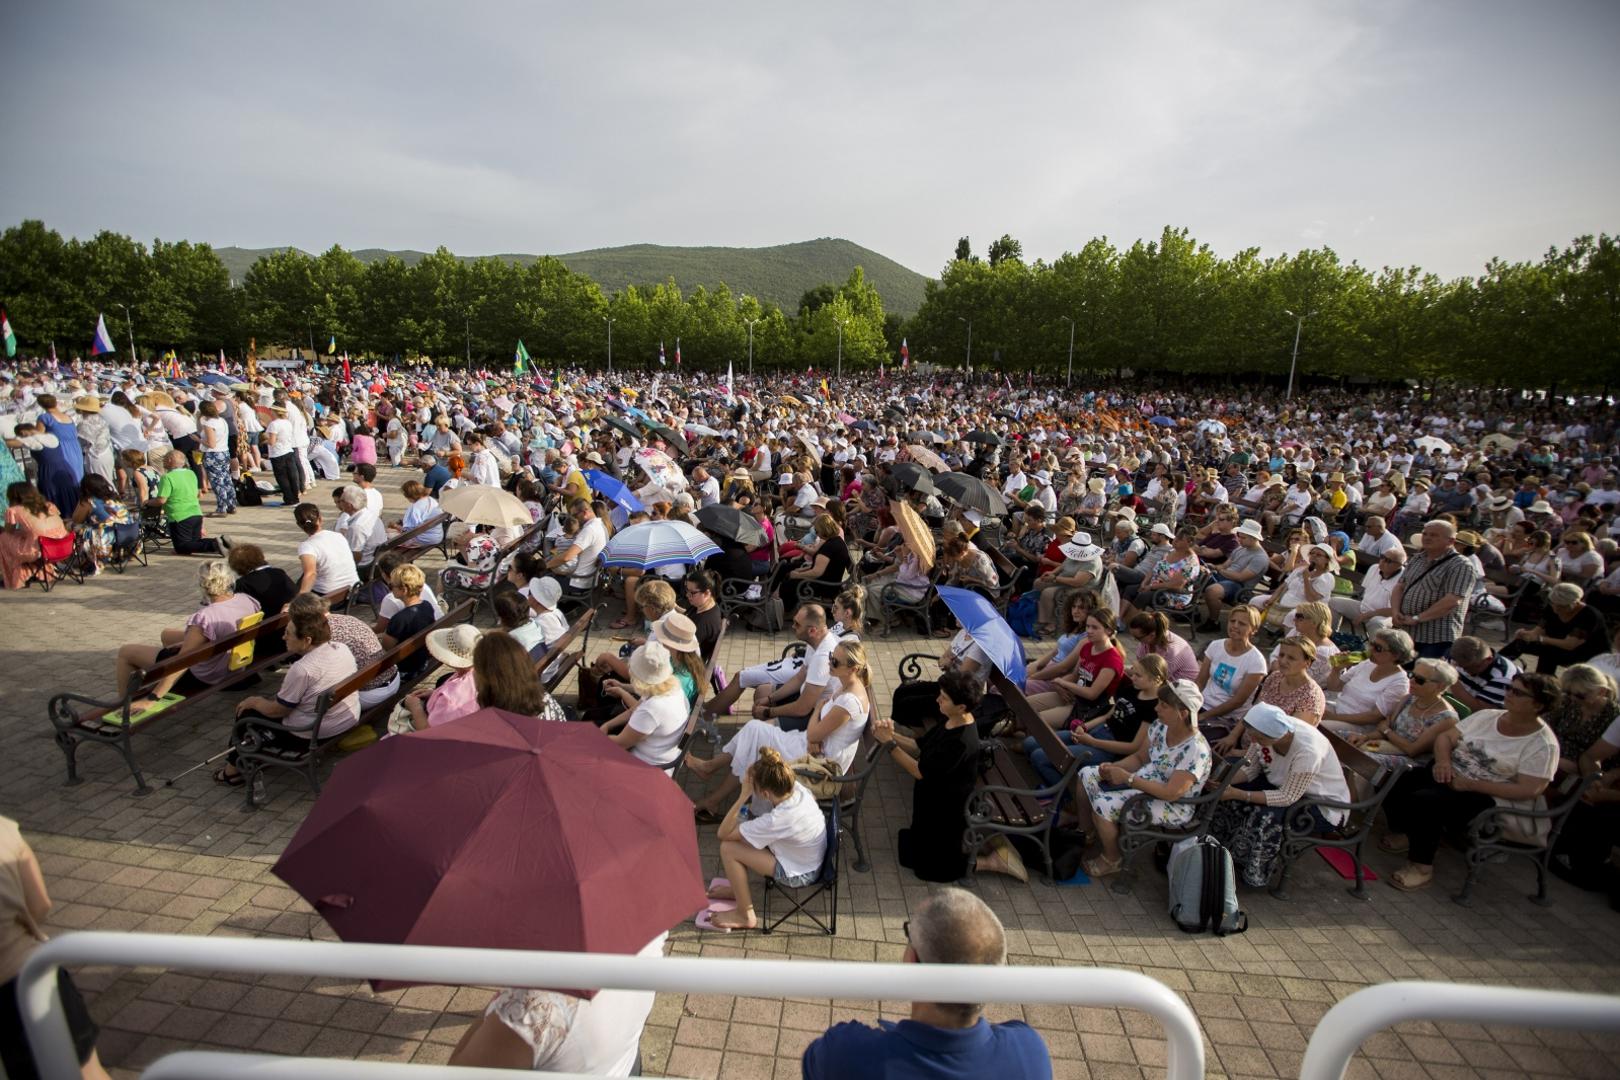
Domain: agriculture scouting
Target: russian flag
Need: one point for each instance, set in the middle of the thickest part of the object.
(103, 342)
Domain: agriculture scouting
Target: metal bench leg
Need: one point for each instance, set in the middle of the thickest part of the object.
(1465, 898)
(142, 788)
(862, 865)
(1280, 890)
(1541, 897)
(70, 750)
(1360, 890)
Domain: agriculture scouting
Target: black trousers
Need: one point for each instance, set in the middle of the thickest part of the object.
(1425, 810)
(289, 477)
(1587, 838)
(188, 539)
(189, 445)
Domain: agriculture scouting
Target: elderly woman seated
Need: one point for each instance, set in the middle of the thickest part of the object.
(1288, 760)
(1570, 631)
(786, 842)
(1174, 763)
(1407, 737)
(223, 613)
(320, 666)
(656, 598)
(1369, 692)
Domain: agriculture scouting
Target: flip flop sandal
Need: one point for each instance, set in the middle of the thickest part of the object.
(223, 777)
(1410, 882)
(706, 817)
(705, 921)
(1394, 847)
(1097, 866)
(722, 905)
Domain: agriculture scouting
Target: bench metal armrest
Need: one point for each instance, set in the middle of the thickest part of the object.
(910, 667)
(1489, 825)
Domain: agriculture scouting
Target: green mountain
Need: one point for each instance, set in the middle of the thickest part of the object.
(780, 274)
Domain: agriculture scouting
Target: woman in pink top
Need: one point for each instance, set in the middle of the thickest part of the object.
(221, 616)
(457, 696)
(362, 446)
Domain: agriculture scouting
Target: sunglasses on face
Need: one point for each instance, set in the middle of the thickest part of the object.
(1422, 680)
(834, 662)
(1378, 646)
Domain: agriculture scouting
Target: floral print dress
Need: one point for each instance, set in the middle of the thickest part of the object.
(477, 564)
(1165, 569)
(1192, 755)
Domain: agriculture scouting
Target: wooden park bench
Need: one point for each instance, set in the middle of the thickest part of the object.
(549, 655)
(252, 758)
(79, 720)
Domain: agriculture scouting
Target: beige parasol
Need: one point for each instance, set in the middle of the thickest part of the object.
(927, 458)
(914, 533)
(484, 504)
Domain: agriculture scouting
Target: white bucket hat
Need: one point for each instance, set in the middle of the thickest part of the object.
(453, 646)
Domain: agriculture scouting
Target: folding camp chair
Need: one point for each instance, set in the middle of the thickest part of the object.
(798, 898)
(59, 557)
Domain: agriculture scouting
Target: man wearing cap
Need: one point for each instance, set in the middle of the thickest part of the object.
(1287, 760)
(1431, 599)
(1243, 568)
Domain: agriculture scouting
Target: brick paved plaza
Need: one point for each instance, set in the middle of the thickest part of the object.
(187, 860)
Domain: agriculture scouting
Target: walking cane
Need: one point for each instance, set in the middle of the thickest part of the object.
(200, 765)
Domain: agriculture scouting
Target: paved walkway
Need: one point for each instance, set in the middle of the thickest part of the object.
(187, 860)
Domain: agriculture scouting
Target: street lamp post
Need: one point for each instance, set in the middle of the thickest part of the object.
(609, 320)
(1069, 379)
(129, 324)
(468, 314)
(751, 323)
(839, 372)
(969, 322)
(1299, 328)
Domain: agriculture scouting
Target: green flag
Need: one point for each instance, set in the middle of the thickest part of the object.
(520, 359)
(6, 334)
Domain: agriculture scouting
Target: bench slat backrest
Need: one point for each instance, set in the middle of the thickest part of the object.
(388, 658)
(187, 660)
(1028, 719)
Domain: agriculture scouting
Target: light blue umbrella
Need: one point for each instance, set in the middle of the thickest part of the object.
(662, 543)
(988, 630)
(614, 489)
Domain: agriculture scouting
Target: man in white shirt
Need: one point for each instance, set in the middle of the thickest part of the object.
(121, 426)
(708, 487)
(365, 475)
(586, 548)
(279, 448)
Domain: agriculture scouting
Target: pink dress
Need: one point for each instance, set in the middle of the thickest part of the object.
(19, 544)
(362, 450)
(456, 697)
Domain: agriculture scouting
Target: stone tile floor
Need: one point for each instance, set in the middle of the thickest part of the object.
(186, 859)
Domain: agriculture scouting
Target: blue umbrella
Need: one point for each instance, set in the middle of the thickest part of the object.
(988, 630)
(1162, 421)
(214, 378)
(637, 413)
(614, 489)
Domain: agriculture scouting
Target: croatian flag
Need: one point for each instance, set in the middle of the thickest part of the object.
(677, 352)
(661, 361)
(103, 342)
(905, 354)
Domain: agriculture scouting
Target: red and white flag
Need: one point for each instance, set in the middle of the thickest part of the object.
(905, 354)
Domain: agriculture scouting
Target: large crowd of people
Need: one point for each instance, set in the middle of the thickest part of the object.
(1197, 575)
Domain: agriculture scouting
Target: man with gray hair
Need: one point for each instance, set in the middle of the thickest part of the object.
(1430, 600)
(950, 926)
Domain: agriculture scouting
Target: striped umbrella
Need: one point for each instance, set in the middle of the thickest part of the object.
(658, 543)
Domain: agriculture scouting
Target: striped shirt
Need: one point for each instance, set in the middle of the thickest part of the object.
(1429, 580)
(1489, 687)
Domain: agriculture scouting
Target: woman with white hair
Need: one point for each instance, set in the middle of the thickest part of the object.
(1407, 737)
(223, 613)
(1570, 631)
(1370, 691)
(1288, 760)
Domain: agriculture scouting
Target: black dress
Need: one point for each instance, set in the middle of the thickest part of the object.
(948, 759)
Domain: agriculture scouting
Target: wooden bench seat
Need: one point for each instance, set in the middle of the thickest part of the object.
(78, 719)
(402, 543)
(253, 758)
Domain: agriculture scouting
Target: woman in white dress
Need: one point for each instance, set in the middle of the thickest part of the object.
(833, 736)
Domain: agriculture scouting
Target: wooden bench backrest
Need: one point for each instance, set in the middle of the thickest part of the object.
(389, 657)
(440, 519)
(523, 538)
(1028, 719)
(1353, 758)
(556, 648)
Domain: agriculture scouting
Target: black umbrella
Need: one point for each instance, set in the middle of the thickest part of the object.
(983, 437)
(668, 434)
(863, 425)
(628, 428)
(911, 476)
(971, 493)
(731, 523)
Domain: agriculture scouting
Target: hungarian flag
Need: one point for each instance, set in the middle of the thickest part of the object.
(331, 346)
(520, 359)
(103, 342)
(905, 354)
(6, 334)
(661, 361)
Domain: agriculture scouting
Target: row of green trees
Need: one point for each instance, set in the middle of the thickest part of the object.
(1172, 304)
(1169, 304)
(180, 296)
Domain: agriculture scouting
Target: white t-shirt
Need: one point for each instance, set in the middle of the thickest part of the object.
(592, 538)
(334, 561)
(795, 831)
(278, 437)
(1375, 547)
(1226, 675)
(817, 672)
(1360, 692)
(709, 492)
(1484, 753)
(392, 605)
(216, 431)
(662, 720)
(842, 744)
(364, 532)
(374, 501)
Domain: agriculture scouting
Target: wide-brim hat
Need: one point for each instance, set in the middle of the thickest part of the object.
(677, 632)
(89, 403)
(1541, 506)
(649, 665)
(453, 646)
(1252, 528)
(1096, 485)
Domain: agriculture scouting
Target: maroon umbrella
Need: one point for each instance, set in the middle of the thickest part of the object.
(499, 831)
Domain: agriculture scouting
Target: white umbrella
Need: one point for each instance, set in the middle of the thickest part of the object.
(483, 504)
(1430, 442)
(658, 543)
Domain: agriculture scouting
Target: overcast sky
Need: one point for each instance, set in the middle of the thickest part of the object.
(1435, 132)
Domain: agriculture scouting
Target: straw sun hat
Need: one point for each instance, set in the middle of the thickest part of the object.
(453, 646)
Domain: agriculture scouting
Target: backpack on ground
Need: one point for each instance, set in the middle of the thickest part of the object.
(1203, 888)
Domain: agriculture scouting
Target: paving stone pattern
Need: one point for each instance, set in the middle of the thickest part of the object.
(186, 859)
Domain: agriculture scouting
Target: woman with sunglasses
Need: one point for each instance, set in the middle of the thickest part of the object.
(1588, 711)
(1371, 690)
(1313, 622)
(1372, 611)
(1497, 757)
(1407, 738)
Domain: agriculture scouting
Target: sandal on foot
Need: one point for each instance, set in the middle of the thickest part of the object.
(706, 817)
(1097, 866)
(1410, 879)
(620, 624)
(1395, 845)
(233, 779)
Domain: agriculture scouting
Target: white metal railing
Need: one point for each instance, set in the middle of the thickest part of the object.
(1340, 1033)
(53, 1047)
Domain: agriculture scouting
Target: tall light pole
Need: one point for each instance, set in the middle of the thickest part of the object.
(129, 323)
(1299, 328)
(1069, 380)
(467, 313)
(609, 320)
(969, 322)
(751, 323)
(839, 373)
